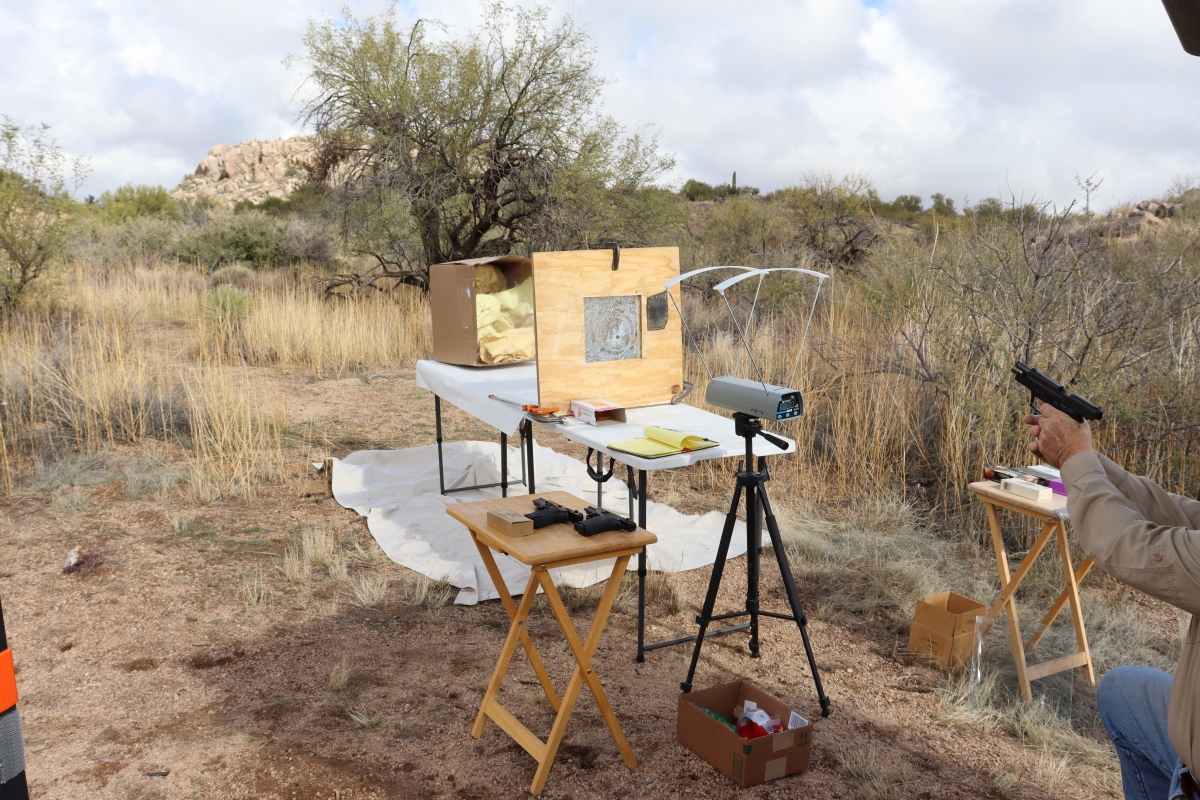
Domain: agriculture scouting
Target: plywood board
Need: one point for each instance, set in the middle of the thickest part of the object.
(561, 282)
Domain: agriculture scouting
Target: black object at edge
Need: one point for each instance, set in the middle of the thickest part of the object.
(3, 635)
(1185, 17)
(15, 788)
(616, 251)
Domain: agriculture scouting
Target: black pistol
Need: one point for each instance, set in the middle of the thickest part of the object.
(600, 520)
(549, 512)
(1041, 387)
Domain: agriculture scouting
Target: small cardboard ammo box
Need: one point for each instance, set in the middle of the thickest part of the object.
(459, 337)
(943, 629)
(597, 412)
(509, 522)
(746, 761)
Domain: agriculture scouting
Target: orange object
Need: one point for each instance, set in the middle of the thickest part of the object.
(8, 681)
(531, 408)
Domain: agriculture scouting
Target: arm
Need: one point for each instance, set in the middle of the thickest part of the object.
(1155, 503)
(1162, 560)
(1145, 538)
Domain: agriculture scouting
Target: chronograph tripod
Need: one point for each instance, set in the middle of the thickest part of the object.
(750, 401)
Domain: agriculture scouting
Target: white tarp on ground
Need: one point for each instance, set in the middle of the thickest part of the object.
(397, 491)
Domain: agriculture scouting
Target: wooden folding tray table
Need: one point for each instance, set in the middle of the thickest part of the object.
(1053, 515)
(553, 546)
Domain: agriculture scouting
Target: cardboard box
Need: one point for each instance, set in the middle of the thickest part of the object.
(509, 522)
(452, 303)
(597, 412)
(745, 761)
(943, 629)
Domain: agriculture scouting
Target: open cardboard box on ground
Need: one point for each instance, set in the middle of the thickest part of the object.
(943, 629)
(452, 302)
(746, 761)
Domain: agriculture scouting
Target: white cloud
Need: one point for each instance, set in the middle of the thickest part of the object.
(923, 95)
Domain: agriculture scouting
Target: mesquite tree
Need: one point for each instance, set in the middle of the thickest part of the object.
(442, 147)
(35, 206)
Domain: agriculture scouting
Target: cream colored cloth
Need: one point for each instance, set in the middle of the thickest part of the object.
(504, 321)
(1146, 537)
(505, 347)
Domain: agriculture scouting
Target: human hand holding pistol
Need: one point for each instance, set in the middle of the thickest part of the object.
(1057, 437)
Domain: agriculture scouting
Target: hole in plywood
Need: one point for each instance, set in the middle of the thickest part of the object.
(612, 328)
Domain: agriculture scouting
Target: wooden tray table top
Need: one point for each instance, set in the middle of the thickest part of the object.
(554, 544)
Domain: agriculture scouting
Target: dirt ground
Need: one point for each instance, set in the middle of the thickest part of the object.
(150, 673)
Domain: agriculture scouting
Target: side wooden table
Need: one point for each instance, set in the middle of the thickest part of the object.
(1053, 515)
(553, 546)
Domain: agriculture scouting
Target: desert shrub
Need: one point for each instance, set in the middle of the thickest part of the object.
(134, 201)
(306, 240)
(697, 190)
(252, 237)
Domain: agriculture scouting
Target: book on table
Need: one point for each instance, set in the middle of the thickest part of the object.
(660, 442)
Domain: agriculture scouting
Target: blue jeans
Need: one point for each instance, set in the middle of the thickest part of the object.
(1133, 706)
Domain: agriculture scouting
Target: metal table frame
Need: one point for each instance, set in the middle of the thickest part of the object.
(525, 437)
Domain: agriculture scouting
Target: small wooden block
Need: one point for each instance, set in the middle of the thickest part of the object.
(509, 522)
(1023, 488)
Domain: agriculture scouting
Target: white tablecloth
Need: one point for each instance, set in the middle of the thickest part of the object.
(469, 387)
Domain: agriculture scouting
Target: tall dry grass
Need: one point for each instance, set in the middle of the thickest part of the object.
(296, 327)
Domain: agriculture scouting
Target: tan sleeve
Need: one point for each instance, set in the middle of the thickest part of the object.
(1144, 539)
(1157, 504)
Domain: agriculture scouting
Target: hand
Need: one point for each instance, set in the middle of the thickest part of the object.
(1057, 437)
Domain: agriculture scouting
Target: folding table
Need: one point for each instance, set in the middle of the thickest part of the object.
(1053, 515)
(468, 388)
(553, 546)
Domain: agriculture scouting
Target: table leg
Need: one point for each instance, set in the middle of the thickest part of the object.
(539, 669)
(506, 654)
(503, 464)
(641, 570)
(529, 423)
(1010, 604)
(1076, 610)
(437, 415)
(1026, 564)
(583, 672)
(1052, 615)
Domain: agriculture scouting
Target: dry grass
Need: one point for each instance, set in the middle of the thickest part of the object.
(339, 676)
(318, 546)
(873, 560)
(73, 499)
(235, 436)
(296, 568)
(424, 592)
(882, 777)
(369, 592)
(1062, 751)
(255, 589)
(337, 569)
(296, 327)
(181, 524)
(365, 717)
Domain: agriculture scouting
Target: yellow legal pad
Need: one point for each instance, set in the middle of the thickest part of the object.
(661, 442)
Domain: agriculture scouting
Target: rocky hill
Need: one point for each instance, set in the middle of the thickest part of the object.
(250, 171)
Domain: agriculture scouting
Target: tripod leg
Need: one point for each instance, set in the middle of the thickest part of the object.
(753, 560)
(789, 584)
(714, 584)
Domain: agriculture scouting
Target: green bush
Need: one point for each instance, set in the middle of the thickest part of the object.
(226, 307)
(132, 201)
(252, 237)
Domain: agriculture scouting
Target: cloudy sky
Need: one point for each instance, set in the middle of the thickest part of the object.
(966, 97)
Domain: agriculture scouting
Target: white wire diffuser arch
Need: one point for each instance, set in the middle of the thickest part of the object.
(720, 288)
